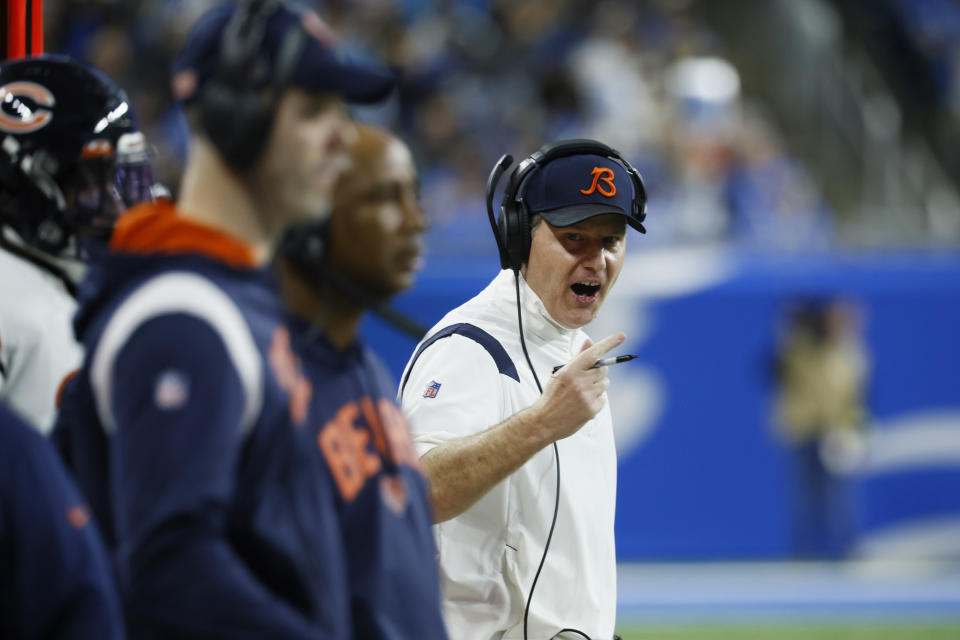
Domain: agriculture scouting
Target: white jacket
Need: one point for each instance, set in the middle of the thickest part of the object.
(467, 382)
(37, 347)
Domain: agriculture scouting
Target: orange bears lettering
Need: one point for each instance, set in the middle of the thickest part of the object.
(356, 449)
(398, 435)
(345, 449)
(290, 378)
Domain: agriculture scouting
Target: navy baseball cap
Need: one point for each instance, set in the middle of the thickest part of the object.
(569, 189)
(318, 68)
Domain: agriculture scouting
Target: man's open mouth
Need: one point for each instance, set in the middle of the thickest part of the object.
(585, 291)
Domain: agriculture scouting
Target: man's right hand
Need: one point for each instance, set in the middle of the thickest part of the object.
(574, 394)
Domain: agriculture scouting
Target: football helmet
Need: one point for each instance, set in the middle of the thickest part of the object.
(71, 155)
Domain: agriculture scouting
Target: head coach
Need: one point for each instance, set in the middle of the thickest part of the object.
(525, 529)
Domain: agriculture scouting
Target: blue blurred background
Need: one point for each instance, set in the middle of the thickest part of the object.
(703, 472)
(800, 156)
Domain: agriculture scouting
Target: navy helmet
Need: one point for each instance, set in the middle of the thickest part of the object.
(71, 155)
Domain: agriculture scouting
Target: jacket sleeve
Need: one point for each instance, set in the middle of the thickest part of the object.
(176, 401)
(55, 581)
(453, 390)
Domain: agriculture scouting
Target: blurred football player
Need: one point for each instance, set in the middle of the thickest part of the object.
(370, 252)
(71, 159)
(184, 424)
(56, 580)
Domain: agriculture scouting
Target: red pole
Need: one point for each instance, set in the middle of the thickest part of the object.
(16, 29)
(36, 27)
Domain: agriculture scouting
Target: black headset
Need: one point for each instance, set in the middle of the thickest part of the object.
(237, 105)
(512, 229)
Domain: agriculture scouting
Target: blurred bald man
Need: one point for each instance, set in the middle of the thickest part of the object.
(369, 251)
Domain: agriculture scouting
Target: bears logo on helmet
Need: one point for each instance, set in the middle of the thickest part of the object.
(14, 97)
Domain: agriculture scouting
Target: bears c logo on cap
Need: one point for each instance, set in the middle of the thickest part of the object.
(27, 119)
(601, 174)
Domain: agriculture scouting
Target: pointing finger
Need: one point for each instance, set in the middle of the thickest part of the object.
(590, 355)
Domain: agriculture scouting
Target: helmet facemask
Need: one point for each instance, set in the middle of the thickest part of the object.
(107, 181)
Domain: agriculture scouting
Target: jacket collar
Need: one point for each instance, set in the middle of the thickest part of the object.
(537, 321)
(153, 228)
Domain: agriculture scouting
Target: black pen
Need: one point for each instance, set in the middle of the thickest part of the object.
(606, 362)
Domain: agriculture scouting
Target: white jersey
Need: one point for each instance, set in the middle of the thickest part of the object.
(477, 377)
(37, 347)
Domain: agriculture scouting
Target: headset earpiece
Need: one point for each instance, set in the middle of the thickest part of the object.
(522, 234)
(512, 227)
(515, 229)
(498, 225)
(236, 123)
(238, 104)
